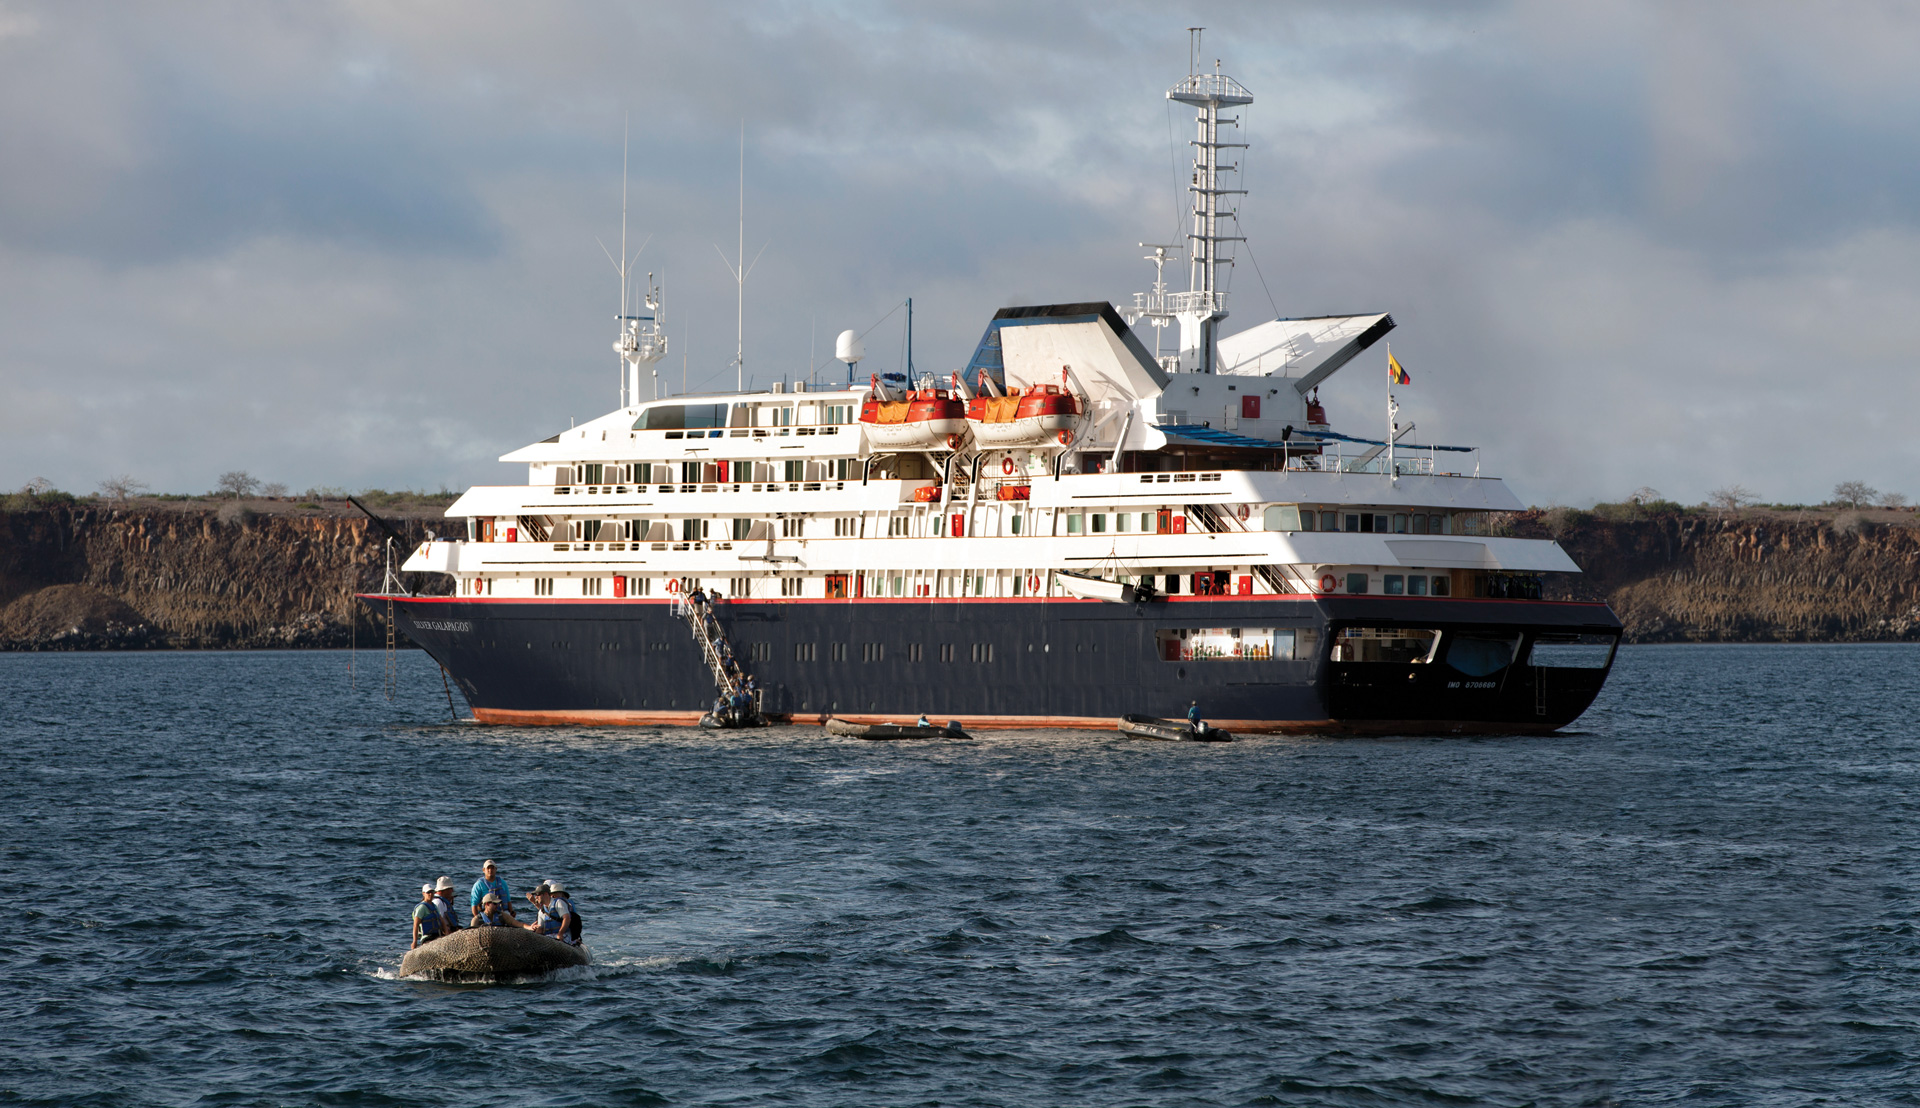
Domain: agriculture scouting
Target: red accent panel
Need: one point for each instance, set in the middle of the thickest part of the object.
(1249, 407)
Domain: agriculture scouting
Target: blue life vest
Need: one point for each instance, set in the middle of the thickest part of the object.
(431, 925)
(494, 918)
(566, 923)
(445, 909)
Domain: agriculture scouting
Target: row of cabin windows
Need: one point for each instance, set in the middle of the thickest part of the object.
(1403, 584)
(723, 472)
(682, 417)
(953, 584)
(1292, 517)
(902, 525)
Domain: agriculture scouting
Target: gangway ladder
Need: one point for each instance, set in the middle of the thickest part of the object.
(706, 632)
(1219, 522)
(387, 585)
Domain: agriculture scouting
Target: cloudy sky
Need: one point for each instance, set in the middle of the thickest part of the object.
(354, 244)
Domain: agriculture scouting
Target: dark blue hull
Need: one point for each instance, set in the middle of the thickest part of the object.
(1004, 663)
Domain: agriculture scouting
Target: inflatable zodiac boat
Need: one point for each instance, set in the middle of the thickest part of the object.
(489, 953)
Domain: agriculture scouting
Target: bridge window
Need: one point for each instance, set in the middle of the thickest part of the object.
(676, 417)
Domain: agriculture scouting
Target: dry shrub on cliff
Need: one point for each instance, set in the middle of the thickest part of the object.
(121, 486)
(1560, 519)
(236, 513)
(237, 483)
(1731, 498)
(1854, 494)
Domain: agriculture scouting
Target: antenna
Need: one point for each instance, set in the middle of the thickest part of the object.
(643, 339)
(741, 271)
(1193, 48)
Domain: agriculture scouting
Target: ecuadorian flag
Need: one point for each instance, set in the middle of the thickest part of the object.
(1395, 373)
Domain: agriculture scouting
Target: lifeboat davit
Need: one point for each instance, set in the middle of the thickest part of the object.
(928, 419)
(1040, 415)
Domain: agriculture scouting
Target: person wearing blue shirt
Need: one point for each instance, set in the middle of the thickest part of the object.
(490, 882)
(1193, 718)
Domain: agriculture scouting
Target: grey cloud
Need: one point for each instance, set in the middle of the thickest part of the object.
(355, 245)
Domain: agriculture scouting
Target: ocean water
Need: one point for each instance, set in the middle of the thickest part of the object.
(1703, 892)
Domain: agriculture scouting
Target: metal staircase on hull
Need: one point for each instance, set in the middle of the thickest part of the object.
(729, 678)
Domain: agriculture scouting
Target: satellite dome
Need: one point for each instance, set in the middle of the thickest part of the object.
(848, 347)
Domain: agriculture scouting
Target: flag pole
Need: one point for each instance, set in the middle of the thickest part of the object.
(1391, 475)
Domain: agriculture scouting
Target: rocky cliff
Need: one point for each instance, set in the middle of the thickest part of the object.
(1755, 576)
(84, 576)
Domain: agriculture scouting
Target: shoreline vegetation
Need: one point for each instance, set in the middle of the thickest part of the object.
(251, 566)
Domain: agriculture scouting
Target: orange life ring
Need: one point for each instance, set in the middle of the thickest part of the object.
(673, 584)
(1244, 512)
(1328, 582)
(953, 442)
(1006, 465)
(1065, 438)
(1033, 585)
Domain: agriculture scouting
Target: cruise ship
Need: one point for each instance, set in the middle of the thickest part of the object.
(1069, 526)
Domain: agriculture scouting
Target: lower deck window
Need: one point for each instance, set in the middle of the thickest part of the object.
(1235, 644)
(1400, 645)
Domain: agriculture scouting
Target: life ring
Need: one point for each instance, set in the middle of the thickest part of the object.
(1033, 585)
(1328, 582)
(1006, 465)
(1244, 512)
(1065, 438)
(673, 584)
(953, 442)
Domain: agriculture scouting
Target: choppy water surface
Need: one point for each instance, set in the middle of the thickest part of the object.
(1703, 894)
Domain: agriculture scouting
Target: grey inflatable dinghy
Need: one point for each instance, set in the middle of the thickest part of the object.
(490, 953)
(1171, 731)
(877, 732)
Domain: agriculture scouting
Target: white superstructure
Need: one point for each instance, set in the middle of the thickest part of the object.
(1212, 469)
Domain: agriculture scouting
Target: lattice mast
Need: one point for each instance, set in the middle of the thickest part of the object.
(1200, 309)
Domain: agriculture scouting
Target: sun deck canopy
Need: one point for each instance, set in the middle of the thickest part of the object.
(1306, 351)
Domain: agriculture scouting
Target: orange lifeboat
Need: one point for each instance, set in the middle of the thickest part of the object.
(1041, 415)
(921, 421)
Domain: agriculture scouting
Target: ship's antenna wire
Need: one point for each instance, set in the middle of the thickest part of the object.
(741, 270)
(1263, 279)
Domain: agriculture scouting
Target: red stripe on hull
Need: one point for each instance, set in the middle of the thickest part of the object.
(622, 718)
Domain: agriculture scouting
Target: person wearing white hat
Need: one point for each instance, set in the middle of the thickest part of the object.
(427, 923)
(566, 923)
(556, 918)
(443, 901)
